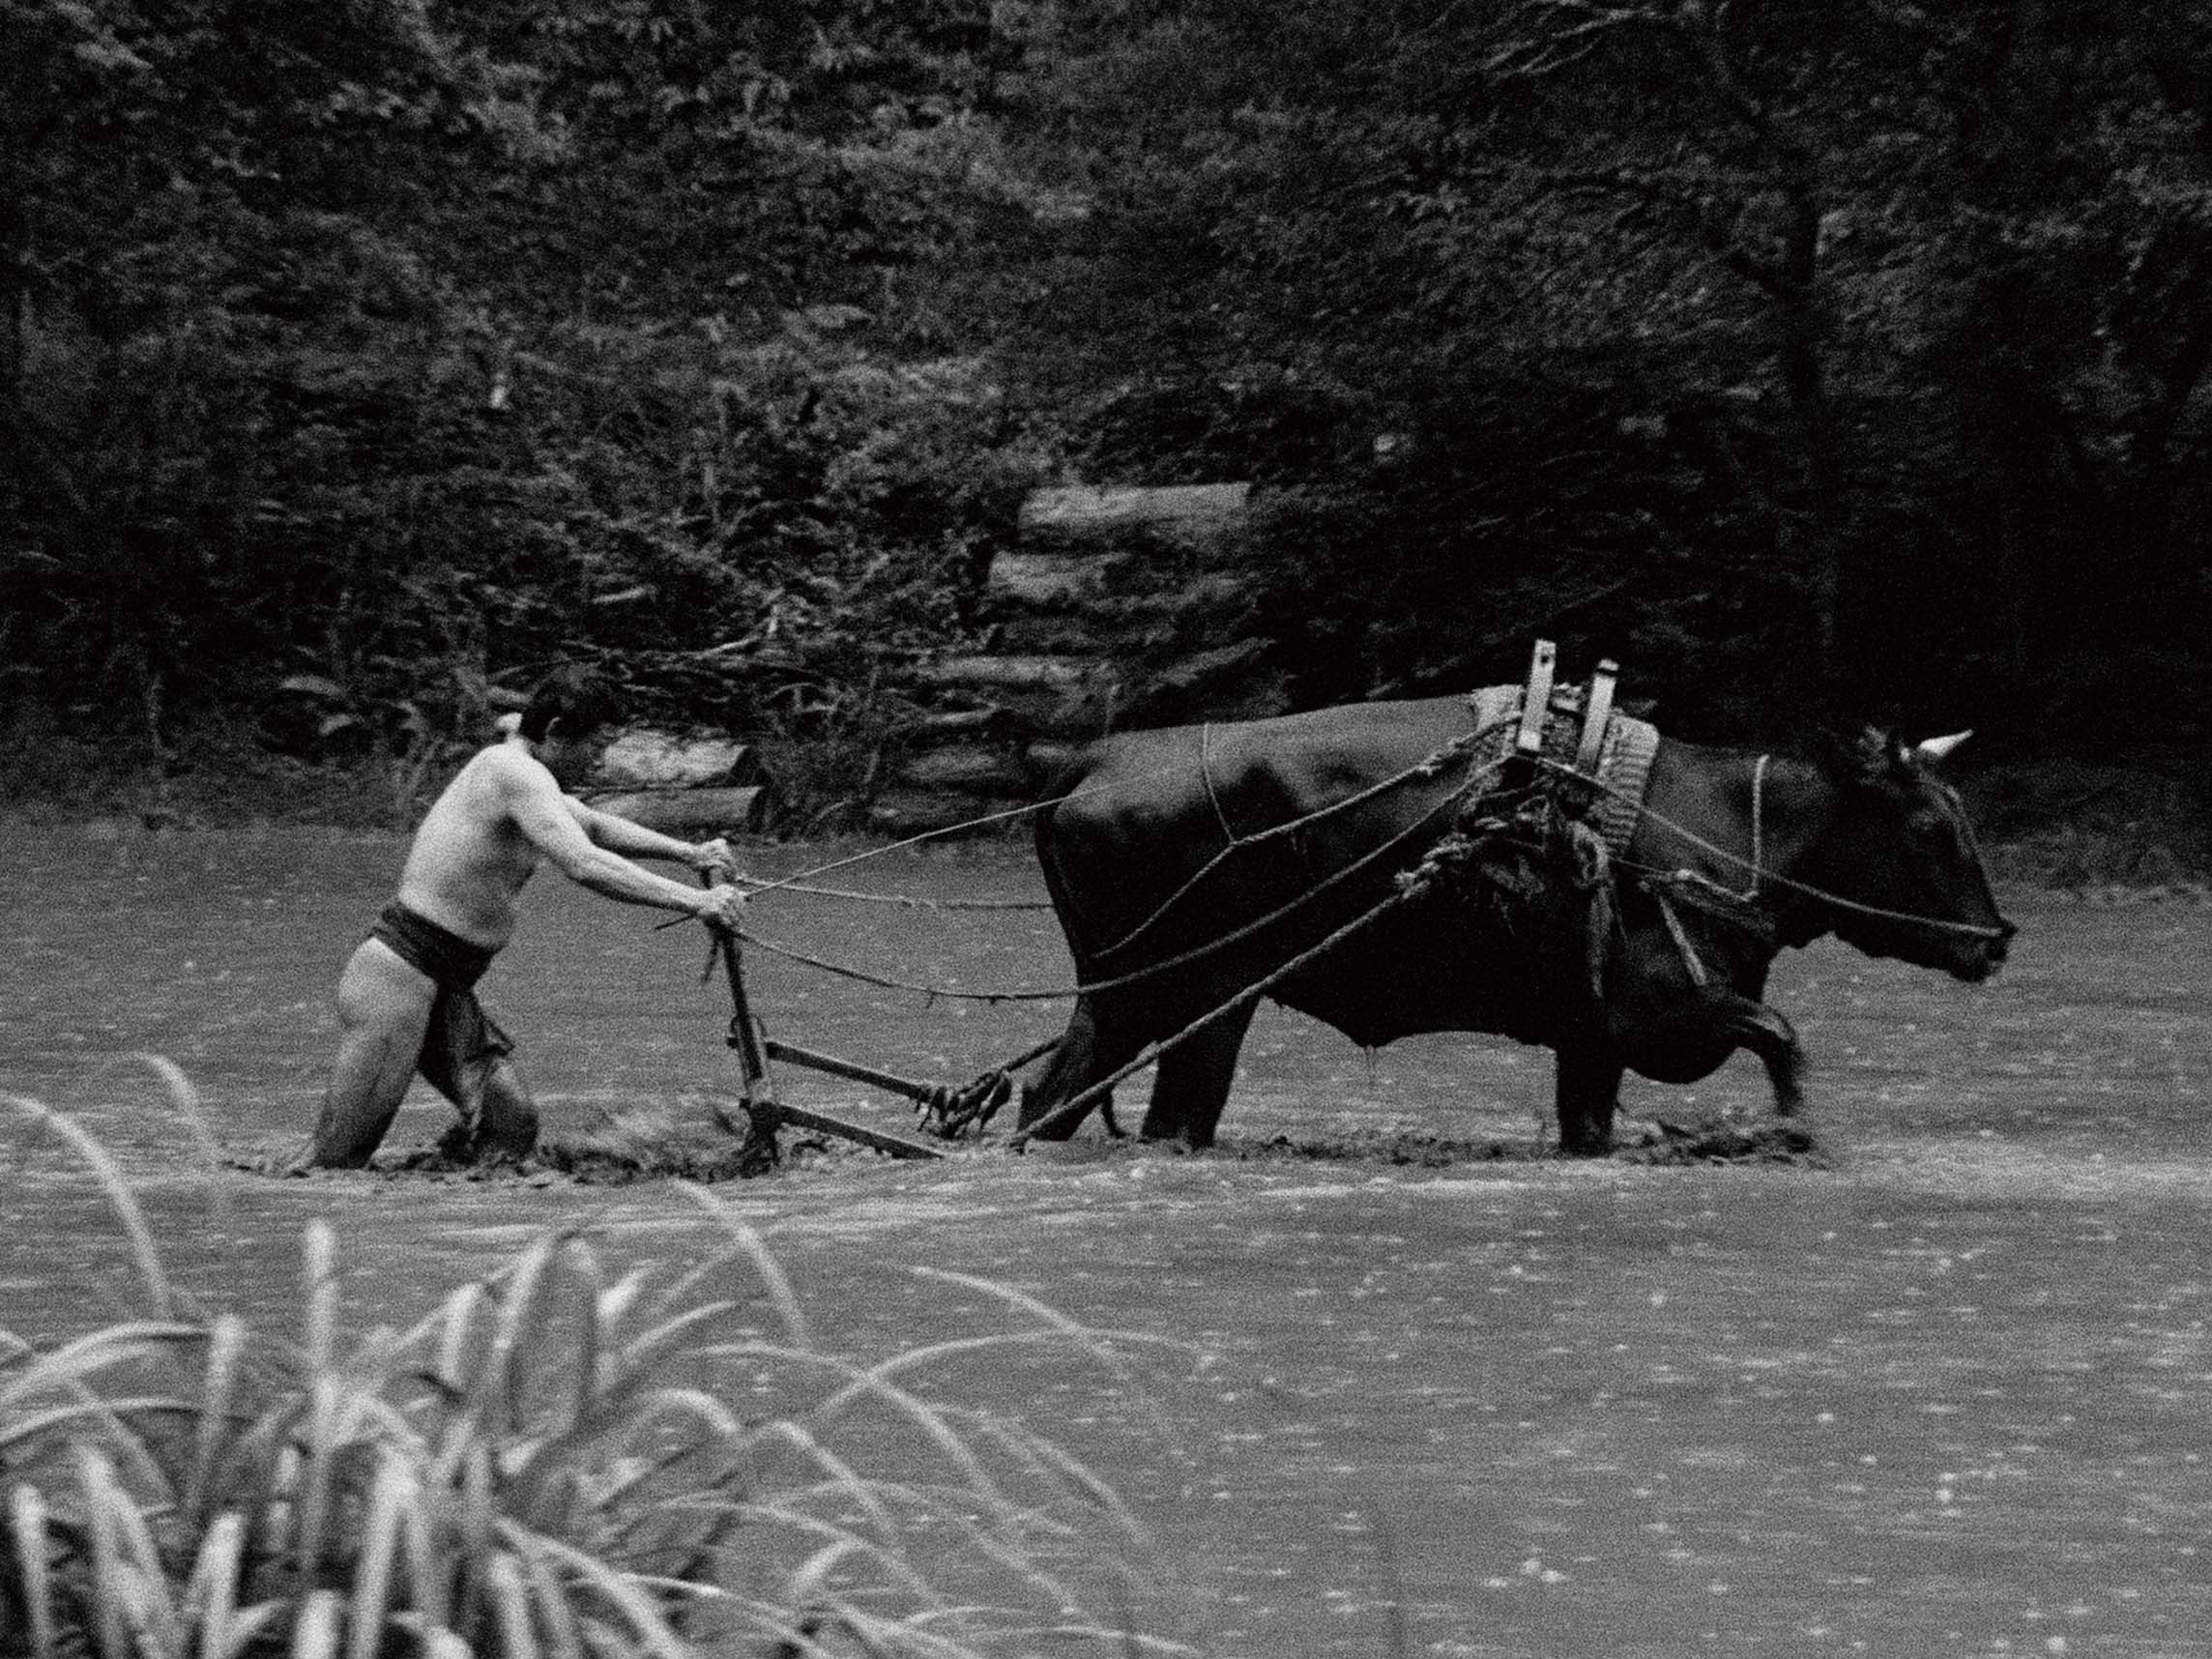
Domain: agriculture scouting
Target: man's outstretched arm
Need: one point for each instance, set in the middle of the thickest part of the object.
(636, 841)
(535, 803)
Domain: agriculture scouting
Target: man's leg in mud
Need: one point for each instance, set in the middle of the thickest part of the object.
(466, 1060)
(384, 1008)
(503, 1122)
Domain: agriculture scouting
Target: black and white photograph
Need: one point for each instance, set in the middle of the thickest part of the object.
(1144, 828)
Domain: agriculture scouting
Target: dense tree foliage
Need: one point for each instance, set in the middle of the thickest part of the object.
(1897, 314)
(378, 355)
(384, 351)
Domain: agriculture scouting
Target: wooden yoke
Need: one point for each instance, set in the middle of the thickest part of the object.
(1542, 698)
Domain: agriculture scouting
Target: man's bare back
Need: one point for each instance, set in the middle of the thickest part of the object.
(470, 860)
(406, 999)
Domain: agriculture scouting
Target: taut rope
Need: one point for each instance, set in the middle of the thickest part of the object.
(1076, 1105)
(1167, 966)
(904, 901)
(861, 857)
(1427, 767)
(1972, 929)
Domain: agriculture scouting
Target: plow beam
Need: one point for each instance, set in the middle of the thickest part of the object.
(853, 1071)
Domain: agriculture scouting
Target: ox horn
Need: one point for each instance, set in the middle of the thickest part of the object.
(1931, 750)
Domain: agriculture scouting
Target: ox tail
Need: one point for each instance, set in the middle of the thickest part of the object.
(1044, 829)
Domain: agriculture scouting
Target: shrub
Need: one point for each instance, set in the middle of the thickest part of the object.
(547, 1461)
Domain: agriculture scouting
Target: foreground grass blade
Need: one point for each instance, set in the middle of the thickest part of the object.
(141, 1587)
(227, 1343)
(391, 1494)
(119, 1198)
(638, 1611)
(495, 1390)
(211, 1598)
(315, 1634)
(510, 1602)
(28, 1525)
(187, 1101)
(100, 1525)
(756, 1249)
(554, 1611)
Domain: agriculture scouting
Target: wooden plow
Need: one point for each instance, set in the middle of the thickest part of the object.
(949, 1110)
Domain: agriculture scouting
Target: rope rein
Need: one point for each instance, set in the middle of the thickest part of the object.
(1205, 776)
(1427, 767)
(903, 901)
(1750, 894)
(796, 876)
(1075, 1106)
(1154, 970)
(1774, 878)
(1478, 773)
(799, 882)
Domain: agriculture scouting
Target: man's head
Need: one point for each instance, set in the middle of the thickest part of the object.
(569, 713)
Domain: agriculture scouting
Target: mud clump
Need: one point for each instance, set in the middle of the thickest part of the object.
(1724, 1141)
(1406, 1147)
(1660, 1142)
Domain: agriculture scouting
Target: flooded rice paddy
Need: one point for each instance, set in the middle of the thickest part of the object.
(1948, 1397)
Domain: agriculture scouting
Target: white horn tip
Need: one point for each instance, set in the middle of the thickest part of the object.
(1937, 748)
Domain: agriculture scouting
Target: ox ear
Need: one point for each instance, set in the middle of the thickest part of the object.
(1843, 751)
(1928, 750)
(1871, 755)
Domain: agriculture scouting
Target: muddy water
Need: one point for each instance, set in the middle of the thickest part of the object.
(1948, 1398)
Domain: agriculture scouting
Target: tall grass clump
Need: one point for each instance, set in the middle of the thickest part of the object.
(558, 1459)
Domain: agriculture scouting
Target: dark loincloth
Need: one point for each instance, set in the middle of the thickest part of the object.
(462, 1044)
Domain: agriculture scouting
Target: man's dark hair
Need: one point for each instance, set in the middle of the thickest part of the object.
(578, 698)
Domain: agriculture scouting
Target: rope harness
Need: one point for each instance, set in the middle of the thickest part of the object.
(1806, 889)
(1558, 835)
(1168, 964)
(1427, 768)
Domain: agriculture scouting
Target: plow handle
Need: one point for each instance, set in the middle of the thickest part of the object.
(745, 1031)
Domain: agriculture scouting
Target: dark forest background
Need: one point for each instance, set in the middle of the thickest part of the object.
(358, 360)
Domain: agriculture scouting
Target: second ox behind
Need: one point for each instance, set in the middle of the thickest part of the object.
(1148, 866)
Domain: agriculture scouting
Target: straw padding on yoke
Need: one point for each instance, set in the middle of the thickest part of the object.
(1624, 754)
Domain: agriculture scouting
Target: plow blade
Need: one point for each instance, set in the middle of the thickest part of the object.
(770, 1115)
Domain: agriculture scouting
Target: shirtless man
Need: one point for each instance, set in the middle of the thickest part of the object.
(406, 1001)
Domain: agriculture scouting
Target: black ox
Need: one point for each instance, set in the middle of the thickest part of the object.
(1864, 841)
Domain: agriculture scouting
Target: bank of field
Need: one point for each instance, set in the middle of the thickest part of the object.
(1947, 1397)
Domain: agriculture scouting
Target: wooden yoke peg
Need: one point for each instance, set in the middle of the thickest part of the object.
(1536, 704)
(1598, 715)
